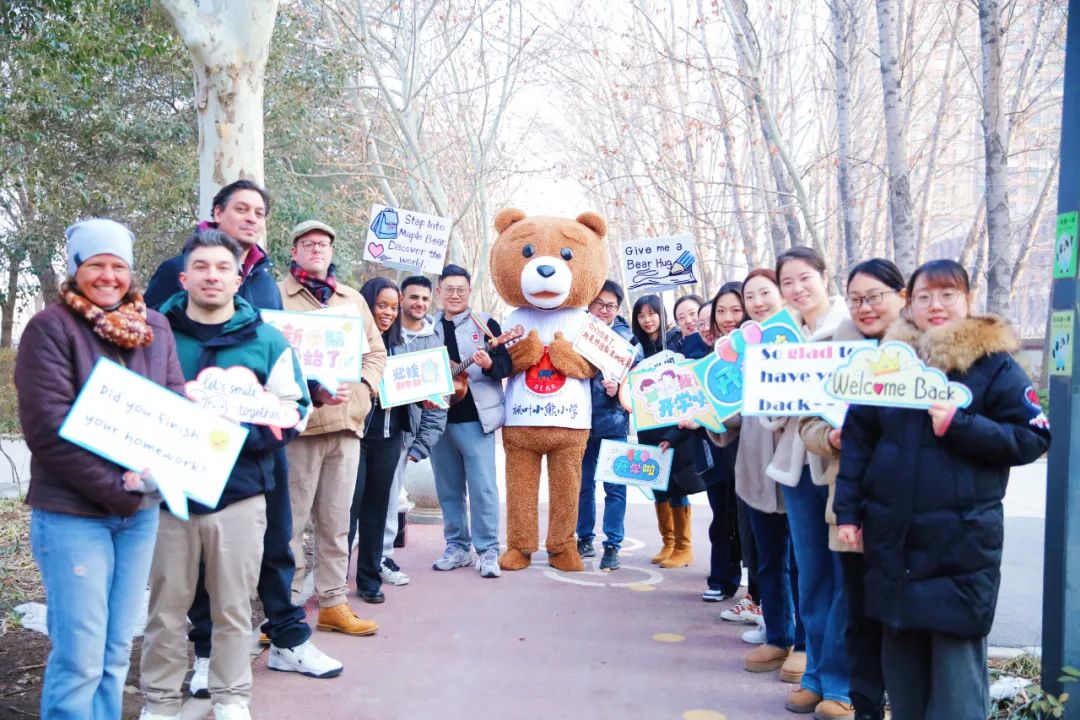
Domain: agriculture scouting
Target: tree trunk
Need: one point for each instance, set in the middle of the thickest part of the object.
(229, 41)
(900, 210)
(843, 22)
(1000, 255)
(11, 298)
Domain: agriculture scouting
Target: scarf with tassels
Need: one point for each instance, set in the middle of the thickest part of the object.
(124, 326)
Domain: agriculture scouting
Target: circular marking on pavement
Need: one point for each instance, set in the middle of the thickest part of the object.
(702, 714)
(641, 587)
(668, 637)
(593, 576)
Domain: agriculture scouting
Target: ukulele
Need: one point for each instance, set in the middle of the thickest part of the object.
(457, 369)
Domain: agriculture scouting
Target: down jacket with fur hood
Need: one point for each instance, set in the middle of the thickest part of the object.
(930, 507)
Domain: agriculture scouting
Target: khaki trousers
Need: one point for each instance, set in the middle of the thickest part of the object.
(322, 477)
(230, 542)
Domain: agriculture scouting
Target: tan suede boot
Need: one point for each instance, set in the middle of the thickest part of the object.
(802, 701)
(793, 668)
(765, 658)
(834, 710)
(682, 555)
(667, 532)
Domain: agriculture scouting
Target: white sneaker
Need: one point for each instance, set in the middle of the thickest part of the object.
(147, 715)
(231, 711)
(305, 659)
(488, 563)
(755, 636)
(391, 574)
(200, 678)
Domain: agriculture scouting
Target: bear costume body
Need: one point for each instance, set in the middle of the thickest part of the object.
(549, 269)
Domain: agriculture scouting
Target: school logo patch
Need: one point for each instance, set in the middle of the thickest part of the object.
(475, 337)
(1039, 420)
(542, 378)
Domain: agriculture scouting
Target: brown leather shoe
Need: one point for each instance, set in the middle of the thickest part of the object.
(342, 619)
(802, 701)
(834, 710)
(793, 668)
(765, 658)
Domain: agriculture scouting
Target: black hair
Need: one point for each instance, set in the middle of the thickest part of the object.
(880, 269)
(940, 273)
(686, 298)
(222, 198)
(210, 237)
(415, 280)
(455, 271)
(370, 292)
(808, 255)
(729, 288)
(648, 344)
(610, 286)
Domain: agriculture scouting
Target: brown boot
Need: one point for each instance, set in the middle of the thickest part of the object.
(834, 710)
(793, 668)
(667, 532)
(802, 701)
(341, 618)
(682, 555)
(765, 658)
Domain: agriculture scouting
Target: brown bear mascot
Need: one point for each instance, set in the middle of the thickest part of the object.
(549, 269)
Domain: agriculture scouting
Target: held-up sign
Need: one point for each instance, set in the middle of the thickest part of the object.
(660, 262)
(329, 347)
(893, 376)
(137, 424)
(415, 376)
(237, 394)
(407, 240)
(605, 349)
(789, 379)
(626, 463)
(664, 395)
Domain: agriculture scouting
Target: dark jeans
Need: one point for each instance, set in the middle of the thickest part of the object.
(614, 500)
(748, 549)
(778, 579)
(378, 461)
(932, 675)
(863, 641)
(725, 572)
(285, 623)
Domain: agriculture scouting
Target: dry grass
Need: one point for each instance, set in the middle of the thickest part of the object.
(19, 578)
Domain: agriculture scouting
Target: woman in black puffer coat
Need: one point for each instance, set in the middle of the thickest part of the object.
(924, 490)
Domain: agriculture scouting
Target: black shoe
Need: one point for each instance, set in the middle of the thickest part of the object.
(610, 561)
(372, 596)
(585, 548)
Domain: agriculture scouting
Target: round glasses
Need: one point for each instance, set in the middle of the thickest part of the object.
(872, 299)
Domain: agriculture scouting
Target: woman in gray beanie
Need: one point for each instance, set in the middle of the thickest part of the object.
(93, 525)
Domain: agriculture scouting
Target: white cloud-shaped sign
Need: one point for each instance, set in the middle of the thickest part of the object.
(236, 393)
(891, 375)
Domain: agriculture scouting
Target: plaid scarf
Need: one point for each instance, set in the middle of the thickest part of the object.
(321, 289)
(124, 326)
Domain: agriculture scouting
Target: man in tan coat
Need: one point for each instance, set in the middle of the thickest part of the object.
(323, 461)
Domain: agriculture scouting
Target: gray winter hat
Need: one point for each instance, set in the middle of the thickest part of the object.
(98, 236)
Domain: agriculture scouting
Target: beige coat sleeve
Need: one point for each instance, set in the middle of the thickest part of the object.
(815, 436)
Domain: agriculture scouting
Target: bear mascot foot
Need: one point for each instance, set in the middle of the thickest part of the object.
(568, 560)
(514, 560)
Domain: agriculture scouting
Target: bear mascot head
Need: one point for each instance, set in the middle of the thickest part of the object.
(549, 262)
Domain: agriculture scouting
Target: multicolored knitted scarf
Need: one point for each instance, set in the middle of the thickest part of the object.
(320, 288)
(124, 326)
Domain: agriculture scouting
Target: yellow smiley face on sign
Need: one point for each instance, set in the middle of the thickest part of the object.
(218, 440)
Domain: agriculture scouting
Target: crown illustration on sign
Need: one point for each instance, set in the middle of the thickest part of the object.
(886, 364)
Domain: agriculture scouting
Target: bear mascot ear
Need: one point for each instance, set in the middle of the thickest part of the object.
(590, 220)
(508, 216)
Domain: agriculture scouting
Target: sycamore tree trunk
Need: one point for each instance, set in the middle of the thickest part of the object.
(900, 210)
(229, 41)
(1000, 255)
(843, 24)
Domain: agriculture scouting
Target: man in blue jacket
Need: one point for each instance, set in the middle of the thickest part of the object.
(610, 421)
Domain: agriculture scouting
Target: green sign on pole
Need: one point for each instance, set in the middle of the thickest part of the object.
(1065, 246)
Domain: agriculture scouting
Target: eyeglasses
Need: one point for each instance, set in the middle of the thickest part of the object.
(947, 297)
(455, 292)
(606, 307)
(313, 244)
(873, 299)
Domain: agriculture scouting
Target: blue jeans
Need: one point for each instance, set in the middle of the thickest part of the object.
(777, 580)
(614, 500)
(822, 604)
(464, 465)
(95, 572)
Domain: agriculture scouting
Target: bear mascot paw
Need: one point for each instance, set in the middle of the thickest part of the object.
(549, 269)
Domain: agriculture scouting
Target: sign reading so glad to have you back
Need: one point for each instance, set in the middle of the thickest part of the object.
(137, 424)
(893, 376)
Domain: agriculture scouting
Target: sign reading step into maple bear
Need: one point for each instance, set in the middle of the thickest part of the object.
(407, 240)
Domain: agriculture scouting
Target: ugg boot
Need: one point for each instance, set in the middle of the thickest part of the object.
(793, 668)
(667, 532)
(682, 555)
(765, 658)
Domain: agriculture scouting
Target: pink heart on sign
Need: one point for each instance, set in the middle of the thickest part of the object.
(376, 249)
(725, 351)
(878, 387)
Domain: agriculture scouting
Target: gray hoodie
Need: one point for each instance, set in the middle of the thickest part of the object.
(425, 426)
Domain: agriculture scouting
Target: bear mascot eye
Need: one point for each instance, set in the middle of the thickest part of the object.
(567, 254)
(528, 251)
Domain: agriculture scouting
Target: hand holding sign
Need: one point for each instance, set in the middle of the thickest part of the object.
(892, 375)
(237, 394)
(605, 349)
(423, 375)
(624, 463)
